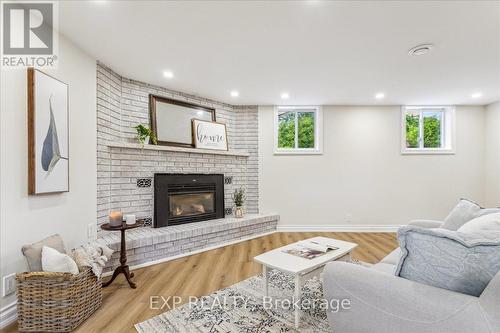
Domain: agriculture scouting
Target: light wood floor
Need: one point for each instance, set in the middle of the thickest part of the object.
(204, 273)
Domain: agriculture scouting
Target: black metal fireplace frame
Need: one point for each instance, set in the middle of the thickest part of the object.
(169, 183)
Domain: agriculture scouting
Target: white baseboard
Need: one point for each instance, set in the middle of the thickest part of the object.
(8, 315)
(162, 260)
(338, 228)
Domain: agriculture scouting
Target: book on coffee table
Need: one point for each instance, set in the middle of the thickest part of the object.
(310, 249)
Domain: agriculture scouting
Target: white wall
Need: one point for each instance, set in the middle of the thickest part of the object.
(26, 219)
(363, 174)
(492, 166)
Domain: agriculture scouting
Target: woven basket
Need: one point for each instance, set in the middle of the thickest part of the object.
(56, 302)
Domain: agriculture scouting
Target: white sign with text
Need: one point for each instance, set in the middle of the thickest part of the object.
(209, 135)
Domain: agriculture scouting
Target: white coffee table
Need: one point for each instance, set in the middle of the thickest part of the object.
(302, 269)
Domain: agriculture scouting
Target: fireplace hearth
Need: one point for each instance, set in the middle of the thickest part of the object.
(187, 198)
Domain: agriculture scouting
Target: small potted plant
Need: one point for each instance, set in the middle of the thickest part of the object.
(239, 200)
(145, 135)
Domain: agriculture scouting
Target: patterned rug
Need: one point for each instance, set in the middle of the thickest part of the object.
(240, 308)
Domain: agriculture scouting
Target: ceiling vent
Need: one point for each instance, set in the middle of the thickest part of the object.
(420, 49)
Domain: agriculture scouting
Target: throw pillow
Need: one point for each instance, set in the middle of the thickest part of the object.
(55, 261)
(447, 259)
(465, 211)
(33, 252)
(490, 222)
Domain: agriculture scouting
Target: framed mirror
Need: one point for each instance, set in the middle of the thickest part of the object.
(171, 120)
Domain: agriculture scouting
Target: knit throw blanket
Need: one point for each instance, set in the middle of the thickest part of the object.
(92, 255)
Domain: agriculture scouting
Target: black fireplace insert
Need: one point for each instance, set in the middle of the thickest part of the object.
(186, 198)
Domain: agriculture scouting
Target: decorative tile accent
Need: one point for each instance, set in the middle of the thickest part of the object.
(144, 182)
(228, 180)
(228, 211)
(146, 222)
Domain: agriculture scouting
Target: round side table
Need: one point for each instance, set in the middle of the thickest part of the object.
(123, 268)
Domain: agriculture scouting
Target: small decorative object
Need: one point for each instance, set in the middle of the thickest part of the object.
(130, 219)
(238, 199)
(144, 135)
(115, 219)
(209, 135)
(170, 120)
(47, 134)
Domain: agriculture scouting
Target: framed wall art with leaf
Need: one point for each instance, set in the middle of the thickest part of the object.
(48, 134)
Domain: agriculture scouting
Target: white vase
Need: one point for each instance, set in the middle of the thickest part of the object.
(146, 141)
(238, 212)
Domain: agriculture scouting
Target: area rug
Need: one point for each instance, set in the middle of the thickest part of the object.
(240, 308)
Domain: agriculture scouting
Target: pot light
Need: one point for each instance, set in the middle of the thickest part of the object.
(235, 93)
(168, 74)
(476, 95)
(285, 95)
(420, 49)
(379, 95)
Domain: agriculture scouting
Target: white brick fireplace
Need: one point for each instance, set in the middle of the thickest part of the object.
(123, 103)
(126, 170)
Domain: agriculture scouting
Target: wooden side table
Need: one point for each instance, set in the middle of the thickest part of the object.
(123, 268)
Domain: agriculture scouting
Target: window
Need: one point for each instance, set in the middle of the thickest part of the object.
(297, 130)
(427, 130)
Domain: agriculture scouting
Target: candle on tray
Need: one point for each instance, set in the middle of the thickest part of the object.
(130, 219)
(115, 219)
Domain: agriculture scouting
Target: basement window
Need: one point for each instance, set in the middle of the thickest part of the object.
(427, 130)
(297, 130)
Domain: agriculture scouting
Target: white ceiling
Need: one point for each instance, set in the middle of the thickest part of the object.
(320, 52)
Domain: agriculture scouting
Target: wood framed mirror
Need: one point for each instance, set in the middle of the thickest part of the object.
(170, 120)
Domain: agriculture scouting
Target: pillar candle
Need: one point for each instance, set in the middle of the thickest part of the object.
(115, 219)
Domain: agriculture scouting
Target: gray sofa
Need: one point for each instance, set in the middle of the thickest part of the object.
(381, 302)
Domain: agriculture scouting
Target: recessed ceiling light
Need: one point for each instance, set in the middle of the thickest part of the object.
(168, 74)
(476, 95)
(420, 49)
(234, 93)
(285, 95)
(379, 95)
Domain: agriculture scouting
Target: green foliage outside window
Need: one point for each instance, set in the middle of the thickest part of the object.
(306, 129)
(432, 130)
(412, 130)
(286, 129)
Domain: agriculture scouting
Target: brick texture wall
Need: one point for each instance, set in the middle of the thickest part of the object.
(123, 103)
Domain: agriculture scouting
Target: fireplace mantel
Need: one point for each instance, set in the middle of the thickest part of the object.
(128, 145)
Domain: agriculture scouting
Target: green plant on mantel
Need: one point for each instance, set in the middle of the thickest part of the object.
(239, 197)
(143, 133)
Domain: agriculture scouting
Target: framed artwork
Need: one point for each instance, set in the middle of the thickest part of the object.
(209, 135)
(48, 134)
(171, 120)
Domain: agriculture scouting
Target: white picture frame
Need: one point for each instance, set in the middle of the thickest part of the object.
(48, 134)
(209, 135)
